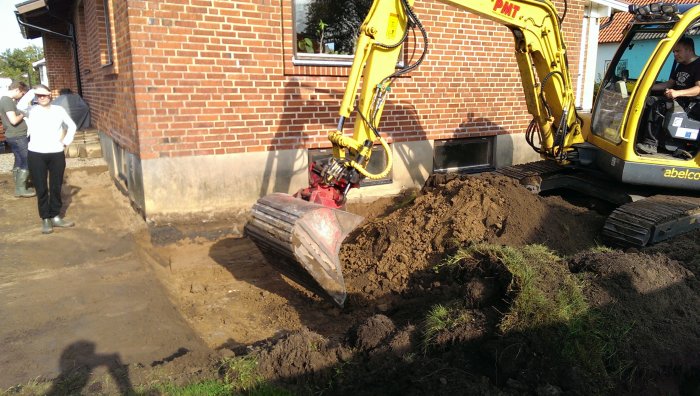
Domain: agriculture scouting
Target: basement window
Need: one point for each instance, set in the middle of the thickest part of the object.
(464, 155)
(377, 163)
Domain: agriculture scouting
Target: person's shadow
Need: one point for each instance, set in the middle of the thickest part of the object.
(78, 361)
(67, 193)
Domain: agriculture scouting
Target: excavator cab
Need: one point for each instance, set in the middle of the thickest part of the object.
(645, 58)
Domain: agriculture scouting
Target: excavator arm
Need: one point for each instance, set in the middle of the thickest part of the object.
(302, 237)
(540, 53)
(541, 56)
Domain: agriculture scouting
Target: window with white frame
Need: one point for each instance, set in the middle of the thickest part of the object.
(105, 33)
(325, 30)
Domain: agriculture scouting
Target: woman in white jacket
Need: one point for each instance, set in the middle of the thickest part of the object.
(47, 161)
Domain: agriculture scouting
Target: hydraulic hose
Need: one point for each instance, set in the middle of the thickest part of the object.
(339, 139)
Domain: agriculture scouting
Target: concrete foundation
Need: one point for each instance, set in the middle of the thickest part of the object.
(513, 150)
(204, 186)
(125, 169)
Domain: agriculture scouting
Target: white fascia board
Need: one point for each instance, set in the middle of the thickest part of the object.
(597, 10)
(613, 4)
(31, 5)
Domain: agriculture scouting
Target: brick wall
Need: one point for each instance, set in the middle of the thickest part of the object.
(218, 79)
(201, 77)
(59, 64)
(106, 71)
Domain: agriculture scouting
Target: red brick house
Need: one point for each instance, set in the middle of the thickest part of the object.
(206, 105)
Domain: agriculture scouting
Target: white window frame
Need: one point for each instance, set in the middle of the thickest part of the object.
(109, 55)
(314, 59)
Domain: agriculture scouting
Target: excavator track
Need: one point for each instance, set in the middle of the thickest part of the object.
(637, 223)
(531, 169)
(651, 220)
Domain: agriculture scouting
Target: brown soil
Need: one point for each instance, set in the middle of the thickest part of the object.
(373, 345)
(238, 305)
(79, 305)
(381, 257)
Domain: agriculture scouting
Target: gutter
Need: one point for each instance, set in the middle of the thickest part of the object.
(71, 37)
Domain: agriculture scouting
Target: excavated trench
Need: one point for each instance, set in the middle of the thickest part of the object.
(393, 271)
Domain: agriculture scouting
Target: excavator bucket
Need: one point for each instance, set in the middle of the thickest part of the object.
(302, 240)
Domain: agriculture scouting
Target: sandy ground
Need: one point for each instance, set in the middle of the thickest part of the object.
(82, 295)
(112, 293)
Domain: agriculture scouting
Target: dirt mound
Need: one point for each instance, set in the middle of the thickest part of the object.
(656, 296)
(300, 354)
(642, 304)
(535, 307)
(381, 256)
(384, 361)
(422, 329)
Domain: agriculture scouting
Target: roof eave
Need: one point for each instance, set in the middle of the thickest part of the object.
(41, 16)
(23, 13)
(614, 4)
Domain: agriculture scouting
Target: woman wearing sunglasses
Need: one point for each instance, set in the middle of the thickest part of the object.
(47, 161)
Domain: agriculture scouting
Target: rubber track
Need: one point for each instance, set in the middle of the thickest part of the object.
(651, 220)
(635, 224)
(538, 168)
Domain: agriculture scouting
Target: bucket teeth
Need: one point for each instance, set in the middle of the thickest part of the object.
(302, 240)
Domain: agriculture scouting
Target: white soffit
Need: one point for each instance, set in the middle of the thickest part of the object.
(29, 6)
(616, 5)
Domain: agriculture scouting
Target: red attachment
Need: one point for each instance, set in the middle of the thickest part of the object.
(321, 193)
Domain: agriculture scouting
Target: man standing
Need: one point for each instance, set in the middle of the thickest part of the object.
(16, 136)
(683, 87)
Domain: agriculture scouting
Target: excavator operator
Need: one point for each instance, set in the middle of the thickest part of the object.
(683, 87)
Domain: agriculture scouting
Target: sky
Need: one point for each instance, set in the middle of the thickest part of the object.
(10, 36)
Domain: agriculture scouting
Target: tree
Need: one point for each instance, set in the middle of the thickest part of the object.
(17, 63)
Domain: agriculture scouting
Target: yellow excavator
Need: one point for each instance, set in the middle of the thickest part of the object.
(596, 154)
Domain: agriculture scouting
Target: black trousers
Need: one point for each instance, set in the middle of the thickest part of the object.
(47, 167)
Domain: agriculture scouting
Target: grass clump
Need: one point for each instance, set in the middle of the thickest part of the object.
(208, 387)
(240, 373)
(439, 319)
(32, 387)
(542, 291)
(546, 303)
(601, 249)
(238, 376)
(405, 200)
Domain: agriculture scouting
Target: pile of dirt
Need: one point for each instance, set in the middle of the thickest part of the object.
(656, 296)
(381, 256)
(392, 273)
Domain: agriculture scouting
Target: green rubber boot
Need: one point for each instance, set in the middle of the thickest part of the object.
(21, 189)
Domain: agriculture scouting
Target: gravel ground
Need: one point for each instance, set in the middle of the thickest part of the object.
(7, 160)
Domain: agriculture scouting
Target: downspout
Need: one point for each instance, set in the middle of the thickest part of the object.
(582, 58)
(71, 37)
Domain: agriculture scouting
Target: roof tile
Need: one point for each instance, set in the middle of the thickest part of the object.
(614, 32)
